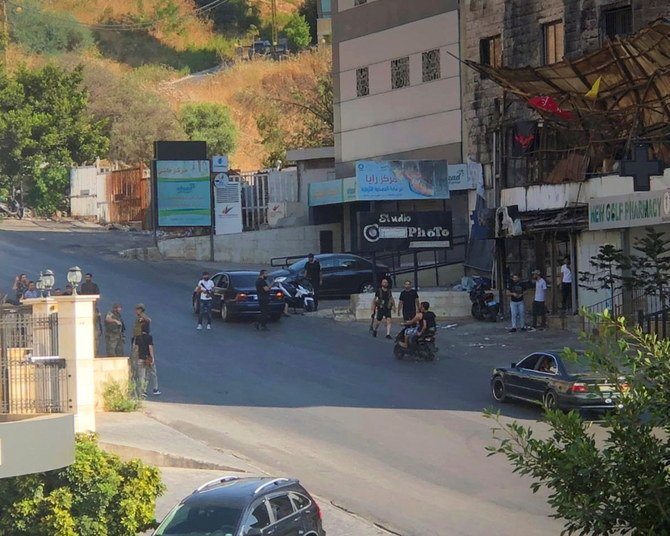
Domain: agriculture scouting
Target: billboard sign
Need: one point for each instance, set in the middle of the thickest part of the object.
(460, 177)
(325, 193)
(183, 196)
(405, 230)
(389, 180)
(227, 205)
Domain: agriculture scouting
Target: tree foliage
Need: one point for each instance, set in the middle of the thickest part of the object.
(98, 495)
(234, 17)
(650, 271)
(614, 479)
(308, 9)
(45, 125)
(607, 265)
(211, 123)
(297, 32)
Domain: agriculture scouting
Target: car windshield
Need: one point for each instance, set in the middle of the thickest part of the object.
(200, 520)
(243, 280)
(298, 265)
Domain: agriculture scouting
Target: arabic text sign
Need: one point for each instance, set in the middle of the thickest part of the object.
(402, 179)
(325, 193)
(183, 193)
(633, 210)
(227, 205)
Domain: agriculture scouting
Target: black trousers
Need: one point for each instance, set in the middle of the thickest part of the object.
(264, 315)
(539, 310)
(566, 294)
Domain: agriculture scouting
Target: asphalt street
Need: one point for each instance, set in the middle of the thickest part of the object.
(399, 443)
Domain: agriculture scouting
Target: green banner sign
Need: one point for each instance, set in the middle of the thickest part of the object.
(632, 210)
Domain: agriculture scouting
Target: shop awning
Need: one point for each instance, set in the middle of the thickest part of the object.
(573, 218)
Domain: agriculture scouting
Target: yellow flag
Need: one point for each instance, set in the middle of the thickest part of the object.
(593, 92)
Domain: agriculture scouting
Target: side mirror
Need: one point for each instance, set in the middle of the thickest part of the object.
(513, 365)
(253, 532)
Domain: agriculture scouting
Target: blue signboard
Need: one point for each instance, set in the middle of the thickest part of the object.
(183, 193)
(402, 179)
(325, 193)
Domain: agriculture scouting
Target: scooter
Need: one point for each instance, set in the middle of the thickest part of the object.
(12, 207)
(298, 292)
(422, 349)
(484, 305)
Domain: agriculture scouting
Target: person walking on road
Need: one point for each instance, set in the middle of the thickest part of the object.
(384, 304)
(515, 293)
(115, 332)
(408, 303)
(313, 275)
(566, 284)
(263, 292)
(205, 290)
(538, 302)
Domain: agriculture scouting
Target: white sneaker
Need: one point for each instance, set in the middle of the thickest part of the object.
(199, 326)
(209, 327)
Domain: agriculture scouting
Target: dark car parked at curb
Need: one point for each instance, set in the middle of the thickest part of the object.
(237, 506)
(343, 274)
(556, 382)
(235, 296)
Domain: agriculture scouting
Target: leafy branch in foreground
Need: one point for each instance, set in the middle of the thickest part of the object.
(613, 477)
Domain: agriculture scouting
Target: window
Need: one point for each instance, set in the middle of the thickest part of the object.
(530, 362)
(554, 41)
(362, 82)
(299, 501)
(430, 65)
(400, 73)
(490, 51)
(281, 507)
(547, 365)
(259, 518)
(617, 22)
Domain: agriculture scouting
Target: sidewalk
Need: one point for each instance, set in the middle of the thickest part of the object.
(186, 463)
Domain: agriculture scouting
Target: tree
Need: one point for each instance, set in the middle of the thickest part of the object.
(310, 12)
(44, 123)
(650, 271)
(297, 32)
(97, 495)
(234, 17)
(615, 481)
(607, 265)
(211, 123)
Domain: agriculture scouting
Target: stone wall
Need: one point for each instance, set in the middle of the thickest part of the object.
(109, 369)
(444, 303)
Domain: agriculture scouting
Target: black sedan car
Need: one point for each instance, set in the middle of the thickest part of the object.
(235, 296)
(343, 274)
(236, 506)
(556, 382)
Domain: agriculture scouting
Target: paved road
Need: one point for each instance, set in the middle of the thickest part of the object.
(401, 444)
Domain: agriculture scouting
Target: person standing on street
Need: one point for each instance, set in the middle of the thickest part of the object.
(538, 302)
(566, 283)
(32, 291)
(88, 287)
(143, 325)
(146, 363)
(408, 303)
(20, 286)
(515, 293)
(263, 292)
(313, 275)
(205, 290)
(115, 332)
(384, 304)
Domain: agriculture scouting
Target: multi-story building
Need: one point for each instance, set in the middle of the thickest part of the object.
(549, 169)
(324, 26)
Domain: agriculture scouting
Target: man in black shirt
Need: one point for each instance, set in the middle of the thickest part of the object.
(313, 275)
(515, 292)
(384, 304)
(263, 292)
(88, 287)
(146, 363)
(408, 304)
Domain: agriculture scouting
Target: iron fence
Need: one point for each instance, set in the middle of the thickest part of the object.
(33, 379)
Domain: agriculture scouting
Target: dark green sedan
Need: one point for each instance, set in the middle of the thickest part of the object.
(558, 383)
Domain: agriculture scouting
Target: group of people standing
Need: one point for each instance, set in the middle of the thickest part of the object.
(515, 292)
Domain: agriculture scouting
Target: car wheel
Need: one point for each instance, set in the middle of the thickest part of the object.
(225, 313)
(550, 401)
(398, 351)
(498, 389)
(367, 288)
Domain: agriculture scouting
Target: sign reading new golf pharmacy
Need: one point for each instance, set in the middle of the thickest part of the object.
(637, 209)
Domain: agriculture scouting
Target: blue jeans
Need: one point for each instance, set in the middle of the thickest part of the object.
(205, 309)
(518, 314)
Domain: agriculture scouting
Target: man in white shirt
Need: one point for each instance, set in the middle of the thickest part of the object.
(205, 289)
(566, 283)
(538, 302)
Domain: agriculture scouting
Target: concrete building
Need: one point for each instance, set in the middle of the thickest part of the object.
(537, 167)
(324, 24)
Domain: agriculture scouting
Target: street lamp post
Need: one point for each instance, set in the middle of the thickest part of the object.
(74, 278)
(49, 280)
(39, 285)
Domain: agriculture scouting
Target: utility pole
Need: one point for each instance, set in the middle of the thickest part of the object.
(274, 28)
(5, 32)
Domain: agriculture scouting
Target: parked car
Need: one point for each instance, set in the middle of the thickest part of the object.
(235, 296)
(343, 274)
(237, 506)
(556, 382)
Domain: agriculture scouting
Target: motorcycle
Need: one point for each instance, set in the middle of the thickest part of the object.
(298, 292)
(12, 207)
(421, 349)
(484, 305)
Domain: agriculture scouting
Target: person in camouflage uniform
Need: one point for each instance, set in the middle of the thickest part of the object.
(115, 332)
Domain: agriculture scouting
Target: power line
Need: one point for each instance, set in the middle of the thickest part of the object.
(122, 26)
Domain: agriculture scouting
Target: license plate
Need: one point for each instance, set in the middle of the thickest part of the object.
(605, 389)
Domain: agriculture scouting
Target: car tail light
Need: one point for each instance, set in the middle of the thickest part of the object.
(624, 387)
(279, 295)
(241, 296)
(579, 388)
(318, 510)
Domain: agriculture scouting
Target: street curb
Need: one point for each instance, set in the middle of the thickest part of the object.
(142, 254)
(162, 459)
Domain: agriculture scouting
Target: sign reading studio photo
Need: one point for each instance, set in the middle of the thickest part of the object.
(405, 230)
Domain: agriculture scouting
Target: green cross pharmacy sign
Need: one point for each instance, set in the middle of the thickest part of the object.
(632, 210)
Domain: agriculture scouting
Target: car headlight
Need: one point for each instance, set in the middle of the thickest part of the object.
(279, 279)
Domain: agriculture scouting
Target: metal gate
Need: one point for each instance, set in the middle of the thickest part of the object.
(255, 197)
(33, 379)
(128, 195)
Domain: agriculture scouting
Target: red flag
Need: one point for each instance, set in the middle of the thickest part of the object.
(548, 104)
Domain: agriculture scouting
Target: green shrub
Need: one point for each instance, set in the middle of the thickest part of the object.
(98, 495)
(118, 396)
(297, 32)
(211, 123)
